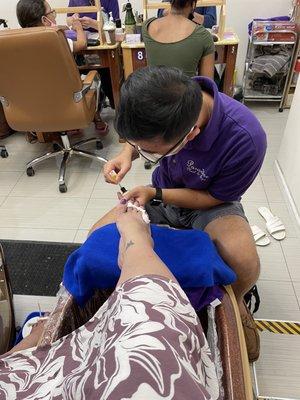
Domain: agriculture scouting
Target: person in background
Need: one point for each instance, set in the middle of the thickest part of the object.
(89, 22)
(206, 16)
(175, 41)
(31, 13)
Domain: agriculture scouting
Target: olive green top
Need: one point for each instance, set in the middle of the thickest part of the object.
(184, 54)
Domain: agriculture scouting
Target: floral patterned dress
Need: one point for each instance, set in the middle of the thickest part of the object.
(145, 342)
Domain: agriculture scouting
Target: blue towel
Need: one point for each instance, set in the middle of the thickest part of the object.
(189, 254)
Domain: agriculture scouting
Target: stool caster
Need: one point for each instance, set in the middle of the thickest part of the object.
(30, 171)
(147, 165)
(63, 188)
(99, 145)
(4, 153)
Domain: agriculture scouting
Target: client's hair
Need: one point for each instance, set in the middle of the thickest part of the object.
(30, 12)
(158, 101)
(181, 4)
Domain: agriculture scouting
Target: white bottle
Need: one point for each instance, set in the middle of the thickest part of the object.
(109, 29)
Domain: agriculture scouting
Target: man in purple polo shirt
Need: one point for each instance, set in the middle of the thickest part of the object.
(209, 148)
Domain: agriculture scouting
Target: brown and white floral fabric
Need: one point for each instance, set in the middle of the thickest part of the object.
(144, 343)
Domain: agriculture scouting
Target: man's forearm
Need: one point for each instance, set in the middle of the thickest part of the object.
(189, 198)
(130, 150)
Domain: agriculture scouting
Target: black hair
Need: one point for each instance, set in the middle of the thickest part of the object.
(158, 101)
(30, 12)
(180, 4)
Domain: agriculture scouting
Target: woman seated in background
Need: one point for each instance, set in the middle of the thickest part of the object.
(206, 16)
(175, 41)
(89, 22)
(31, 13)
(145, 342)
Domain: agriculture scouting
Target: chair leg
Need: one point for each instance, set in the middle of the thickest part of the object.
(44, 157)
(88, 154)
(62, 172)
(86, 141)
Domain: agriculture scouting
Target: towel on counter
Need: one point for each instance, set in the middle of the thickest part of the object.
(190, 255)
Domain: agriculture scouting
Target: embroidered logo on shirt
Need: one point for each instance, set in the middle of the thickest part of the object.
(198, 171)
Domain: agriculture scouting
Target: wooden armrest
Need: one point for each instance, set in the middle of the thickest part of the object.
(89, 79)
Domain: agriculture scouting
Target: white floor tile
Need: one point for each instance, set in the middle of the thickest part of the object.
(256, 192)
(291, 249)
(81, 235)
(53, 213)
(47, 235)
(272, 189)
(278, 366)
(282, 211)
(96, 209)
(273, 265)
(104, 190)
(252, 214)
(2, 199)
(7, 181)
(273, 126)
(24, 305)
(46, 185)
(17, 159)
(278, 301)
(297, 290)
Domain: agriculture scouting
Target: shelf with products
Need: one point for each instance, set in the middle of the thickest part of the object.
(269, 55)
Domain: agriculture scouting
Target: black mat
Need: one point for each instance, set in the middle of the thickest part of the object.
(36, 268)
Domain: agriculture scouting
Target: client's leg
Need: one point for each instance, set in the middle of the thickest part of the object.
(108, 218)
(31, 340)
(136, 254)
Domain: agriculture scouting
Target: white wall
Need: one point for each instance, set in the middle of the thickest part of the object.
(239, 13)
(289, 154)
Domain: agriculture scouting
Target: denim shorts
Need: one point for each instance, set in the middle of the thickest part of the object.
(185, 218)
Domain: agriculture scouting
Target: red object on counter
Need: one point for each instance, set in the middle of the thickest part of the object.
(297, 66)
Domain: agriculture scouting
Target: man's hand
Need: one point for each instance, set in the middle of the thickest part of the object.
(142, 194)
(120, 164)
(71, 19)
(76, 25)
(88, 22)
(198, 18)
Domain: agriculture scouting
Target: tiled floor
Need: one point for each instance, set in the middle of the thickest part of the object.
(33, 208)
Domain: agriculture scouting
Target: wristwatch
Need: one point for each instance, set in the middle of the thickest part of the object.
(157, 200)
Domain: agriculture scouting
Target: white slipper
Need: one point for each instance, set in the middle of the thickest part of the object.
(260, 237)
(274, 224)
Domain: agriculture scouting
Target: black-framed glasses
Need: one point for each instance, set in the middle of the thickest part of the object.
(51, 12)
(155, 158)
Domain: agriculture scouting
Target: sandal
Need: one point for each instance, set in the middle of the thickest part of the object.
(274, 224)
(260, 237)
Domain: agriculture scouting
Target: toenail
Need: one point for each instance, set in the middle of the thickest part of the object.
(123, 201)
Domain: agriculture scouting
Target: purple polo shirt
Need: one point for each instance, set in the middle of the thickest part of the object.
(224, 158)
(108, 5)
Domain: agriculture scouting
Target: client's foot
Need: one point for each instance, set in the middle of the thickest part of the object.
(133, 230)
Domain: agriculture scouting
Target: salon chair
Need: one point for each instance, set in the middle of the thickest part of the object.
(228, 344)
(41, 91)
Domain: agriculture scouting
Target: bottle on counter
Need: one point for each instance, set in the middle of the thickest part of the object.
(109, 29)
(119, 33)
(139, 22)
(129, 19)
